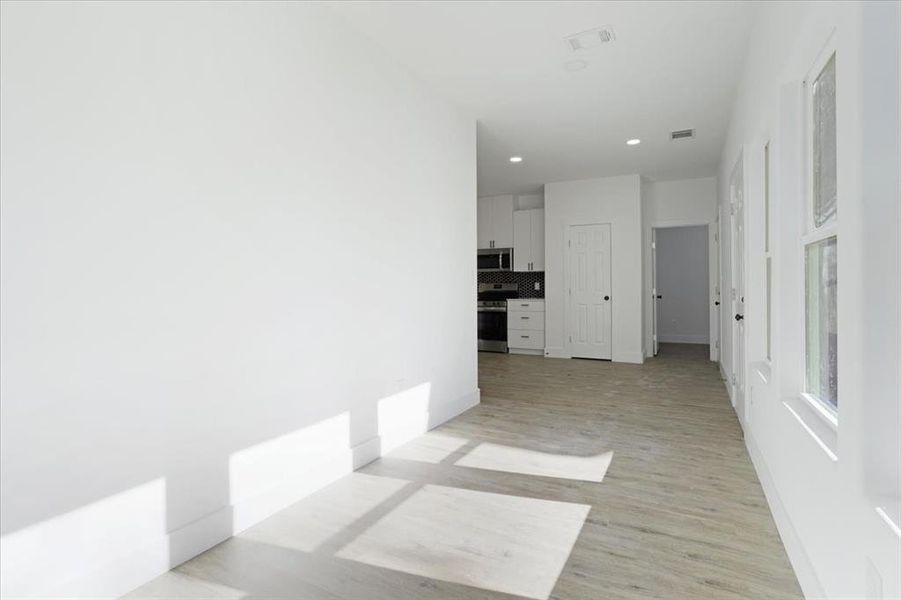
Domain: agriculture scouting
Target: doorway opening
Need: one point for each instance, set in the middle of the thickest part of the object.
(682, 293)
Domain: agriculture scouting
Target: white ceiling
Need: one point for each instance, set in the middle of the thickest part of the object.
(674, 65)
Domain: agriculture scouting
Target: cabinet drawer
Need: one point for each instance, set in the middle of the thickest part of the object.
(525, 305)
(518, 338)
(520, 319)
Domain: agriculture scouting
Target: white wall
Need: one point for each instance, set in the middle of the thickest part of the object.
(210, 306)
(529, 201)
(683, 314)
(667, 204)
(614, 200)
(834, 493)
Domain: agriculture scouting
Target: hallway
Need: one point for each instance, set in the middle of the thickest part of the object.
(495, 503)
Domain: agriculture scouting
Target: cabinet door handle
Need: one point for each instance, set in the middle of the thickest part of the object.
(524, 318)
(526, 305)
(525, 337)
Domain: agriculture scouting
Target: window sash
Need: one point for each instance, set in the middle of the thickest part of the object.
(821, 336)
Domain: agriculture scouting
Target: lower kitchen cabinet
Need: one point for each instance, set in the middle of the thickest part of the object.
(525, 326)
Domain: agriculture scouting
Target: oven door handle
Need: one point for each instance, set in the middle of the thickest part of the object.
(493, 309)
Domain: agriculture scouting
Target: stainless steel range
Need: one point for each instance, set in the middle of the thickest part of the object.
(492, 307)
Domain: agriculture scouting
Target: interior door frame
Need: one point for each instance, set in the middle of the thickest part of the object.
(567, 283)
(738, 277)
(712, 277)
(655, 314)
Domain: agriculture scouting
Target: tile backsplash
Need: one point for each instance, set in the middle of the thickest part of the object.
(526, 281)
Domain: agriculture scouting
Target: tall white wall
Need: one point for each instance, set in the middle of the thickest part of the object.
(614, 200)
(667, 204)
(683, 312)
(835, 493)
(220, 227)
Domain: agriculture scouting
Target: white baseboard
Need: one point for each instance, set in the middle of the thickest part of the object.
(623, 357)
(636, 358)
(683, 339)
(557, 352)
(119, 570)
(526, 351)
(810, 584)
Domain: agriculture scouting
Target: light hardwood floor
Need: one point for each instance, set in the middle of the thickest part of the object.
(572, 479)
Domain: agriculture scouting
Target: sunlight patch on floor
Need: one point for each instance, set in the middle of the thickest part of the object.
(491, 541)
(429, 448)
(497, 457)
(312, 521)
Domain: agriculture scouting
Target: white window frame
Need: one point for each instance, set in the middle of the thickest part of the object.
(769, 262)
(811, 233)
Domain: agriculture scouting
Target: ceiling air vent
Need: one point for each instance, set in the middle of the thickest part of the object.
(590, 38)
(682, 134)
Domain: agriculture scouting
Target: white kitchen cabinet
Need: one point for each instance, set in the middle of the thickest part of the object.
(494, 227)
(528, 240)
(525, 326)
(532, 321)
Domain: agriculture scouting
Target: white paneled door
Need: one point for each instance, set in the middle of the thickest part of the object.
(589, 293)
(736, 192)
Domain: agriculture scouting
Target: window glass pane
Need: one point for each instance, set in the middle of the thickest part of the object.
(769, 306)
(820, 301)
(824, 144)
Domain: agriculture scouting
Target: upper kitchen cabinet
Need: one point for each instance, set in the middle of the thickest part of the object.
(528, 240)
(495, 222)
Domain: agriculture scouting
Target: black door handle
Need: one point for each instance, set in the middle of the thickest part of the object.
(717, 303)
(606, 297)
(739, 317)
(659, 297)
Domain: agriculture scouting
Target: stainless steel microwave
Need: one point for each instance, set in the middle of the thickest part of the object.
(495, 259)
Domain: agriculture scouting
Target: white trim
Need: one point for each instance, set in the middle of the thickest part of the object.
(827, 52)
(118, 573)
(797, 555)
(713, 260)
(821, 410)
(813, 421)
(636, 358)
(525, 351)
(764, 371)
(557, 352)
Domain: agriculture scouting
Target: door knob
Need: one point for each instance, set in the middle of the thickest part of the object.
(606, 297)
(717, 303)
(739, 317)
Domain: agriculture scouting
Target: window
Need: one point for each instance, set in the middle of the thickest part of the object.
(824, 146)
(822, 379)
(820, 242)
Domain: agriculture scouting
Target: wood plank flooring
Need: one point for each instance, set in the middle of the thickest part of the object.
(512, 500)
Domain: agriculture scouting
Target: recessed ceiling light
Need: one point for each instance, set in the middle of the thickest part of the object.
(575, 65)
(515, 159)
(633, 142)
